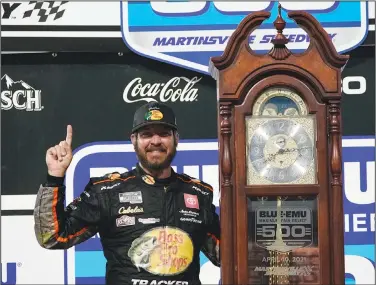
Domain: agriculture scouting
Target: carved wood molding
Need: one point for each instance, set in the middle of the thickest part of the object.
(279, 50)
(226, 194)
(254, 78)
(225, 112)
(320, 42)
(335, 139)
(336, 193)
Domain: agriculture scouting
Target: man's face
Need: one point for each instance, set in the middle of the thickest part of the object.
(155, 146)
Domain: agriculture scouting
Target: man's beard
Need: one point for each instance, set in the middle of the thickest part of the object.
(155, 166)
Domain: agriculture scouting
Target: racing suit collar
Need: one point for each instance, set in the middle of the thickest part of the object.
(148, 179)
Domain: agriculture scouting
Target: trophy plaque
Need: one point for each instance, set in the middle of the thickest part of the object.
(280, 157)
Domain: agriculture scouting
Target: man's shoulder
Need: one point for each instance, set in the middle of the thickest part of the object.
(111, 180)
(197, 184)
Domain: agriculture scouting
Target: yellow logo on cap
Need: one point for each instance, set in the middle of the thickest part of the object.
(154, 115)
(162, 251)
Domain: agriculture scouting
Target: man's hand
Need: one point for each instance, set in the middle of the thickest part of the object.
(60, 156)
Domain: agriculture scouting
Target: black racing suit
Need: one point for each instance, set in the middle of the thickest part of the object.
(151, 230)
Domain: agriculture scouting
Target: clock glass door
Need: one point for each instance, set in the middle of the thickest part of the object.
(283, 240)
(282, 229)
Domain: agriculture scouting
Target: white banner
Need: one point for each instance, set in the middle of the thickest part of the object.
(63, 19)
(23, 260)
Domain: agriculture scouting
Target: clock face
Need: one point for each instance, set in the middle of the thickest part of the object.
(281, 150)
(281, 140)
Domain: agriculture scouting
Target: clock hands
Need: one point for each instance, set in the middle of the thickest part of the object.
(287, 150)
(272, 156)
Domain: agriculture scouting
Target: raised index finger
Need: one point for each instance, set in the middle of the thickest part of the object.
(68, 139)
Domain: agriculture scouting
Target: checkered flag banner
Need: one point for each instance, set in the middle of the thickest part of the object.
(46, 10)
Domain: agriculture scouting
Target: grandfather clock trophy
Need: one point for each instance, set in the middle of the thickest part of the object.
(280, 158)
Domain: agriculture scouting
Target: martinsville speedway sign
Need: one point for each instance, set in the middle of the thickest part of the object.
(188, 33)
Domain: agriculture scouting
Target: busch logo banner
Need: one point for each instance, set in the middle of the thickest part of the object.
(19, 95)
(188, 33)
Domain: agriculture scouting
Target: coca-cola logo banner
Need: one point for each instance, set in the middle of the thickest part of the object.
(176, 89)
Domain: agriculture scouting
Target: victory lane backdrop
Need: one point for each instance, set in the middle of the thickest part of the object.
(87, 91)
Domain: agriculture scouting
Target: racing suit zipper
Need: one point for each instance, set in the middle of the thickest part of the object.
(164, 211)
(164, 214)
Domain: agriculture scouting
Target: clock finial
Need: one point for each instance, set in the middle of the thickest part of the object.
(279, 51)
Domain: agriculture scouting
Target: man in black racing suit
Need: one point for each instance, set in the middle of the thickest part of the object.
(152, 221)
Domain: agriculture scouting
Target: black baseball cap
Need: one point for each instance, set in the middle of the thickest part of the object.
(154, 113)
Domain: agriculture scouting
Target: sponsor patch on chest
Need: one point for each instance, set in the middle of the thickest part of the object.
(149, 220)
(191, 220)
(109, 187)
(189, 213)
(130, 210)
(125, 220)
(199, 190)
(131, 197)
(191, 201)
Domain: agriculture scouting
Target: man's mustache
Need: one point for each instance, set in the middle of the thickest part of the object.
(154, 148)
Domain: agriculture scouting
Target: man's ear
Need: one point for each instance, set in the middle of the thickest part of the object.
(134, 138)
(176, 137)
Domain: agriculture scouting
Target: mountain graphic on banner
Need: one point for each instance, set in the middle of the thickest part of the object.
(8, 83)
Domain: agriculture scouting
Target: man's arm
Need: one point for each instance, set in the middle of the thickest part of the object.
(57, 227)
(211, 247)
